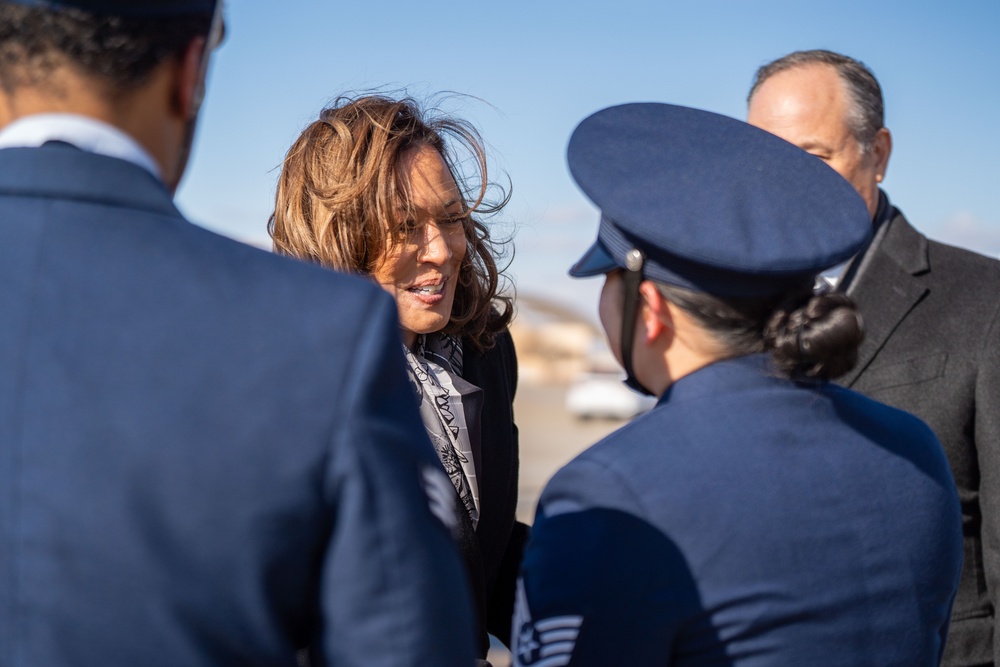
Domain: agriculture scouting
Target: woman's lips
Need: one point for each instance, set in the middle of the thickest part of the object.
(429, 293)
(428, 289)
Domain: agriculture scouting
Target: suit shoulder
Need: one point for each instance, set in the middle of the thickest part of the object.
(970, 281)
(889, 427)
(953, 260)
(589, 481)
(602, 475)
(251, 257)
(968, 263)
(260, 301)
(962, 282)
(853, 404)
(285, 281)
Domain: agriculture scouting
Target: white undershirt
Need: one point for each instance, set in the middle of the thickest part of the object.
(87, 134)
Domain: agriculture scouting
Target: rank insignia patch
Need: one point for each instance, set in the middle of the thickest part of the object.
(547, 642)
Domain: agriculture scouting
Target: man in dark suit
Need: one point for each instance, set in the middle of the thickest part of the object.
(209, 455)
(931, 311)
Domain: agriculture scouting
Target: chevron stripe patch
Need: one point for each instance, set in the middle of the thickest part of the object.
(547, 642)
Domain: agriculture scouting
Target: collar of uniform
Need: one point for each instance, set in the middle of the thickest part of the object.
(893, 236)
(60, 171)
(903, 244)
(85, 133)
(847, 273)
(883, 213)
(721, 377)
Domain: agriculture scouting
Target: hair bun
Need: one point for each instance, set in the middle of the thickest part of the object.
(816, 337)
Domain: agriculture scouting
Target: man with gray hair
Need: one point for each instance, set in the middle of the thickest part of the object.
(931, 312)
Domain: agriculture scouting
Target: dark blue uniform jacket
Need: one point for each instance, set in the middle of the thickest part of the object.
(209, 455)
(746, 520)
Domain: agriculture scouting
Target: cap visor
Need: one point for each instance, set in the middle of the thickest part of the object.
(596, 261)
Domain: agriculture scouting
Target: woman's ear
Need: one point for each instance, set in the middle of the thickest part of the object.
(656, 316)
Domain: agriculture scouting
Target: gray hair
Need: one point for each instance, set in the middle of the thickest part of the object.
(867, 110)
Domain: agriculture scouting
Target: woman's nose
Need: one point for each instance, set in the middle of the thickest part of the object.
(434, 246)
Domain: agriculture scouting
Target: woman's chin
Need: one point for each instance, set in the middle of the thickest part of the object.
(423, 325)
(421, 318)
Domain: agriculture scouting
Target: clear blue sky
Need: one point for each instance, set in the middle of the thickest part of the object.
(541, 66)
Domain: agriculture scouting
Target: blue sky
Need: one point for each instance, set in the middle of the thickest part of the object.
(536, 68)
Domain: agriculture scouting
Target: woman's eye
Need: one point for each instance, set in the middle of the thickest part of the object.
(407, 226)
(455, 221)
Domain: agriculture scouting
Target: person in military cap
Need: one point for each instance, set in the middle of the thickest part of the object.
(209, 455)
(758, 515)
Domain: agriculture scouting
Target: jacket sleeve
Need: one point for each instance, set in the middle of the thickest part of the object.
(599, 585)
(987, 437)
(392, 591)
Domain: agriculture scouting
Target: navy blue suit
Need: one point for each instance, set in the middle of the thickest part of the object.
(209, 455)
(746, 520)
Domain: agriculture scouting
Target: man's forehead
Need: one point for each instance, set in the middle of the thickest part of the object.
(799, 97)
(816, 81)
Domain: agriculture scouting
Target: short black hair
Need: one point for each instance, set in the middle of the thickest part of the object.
(119, 51)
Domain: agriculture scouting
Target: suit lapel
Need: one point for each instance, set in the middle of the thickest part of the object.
(495, 456)
(888, 288)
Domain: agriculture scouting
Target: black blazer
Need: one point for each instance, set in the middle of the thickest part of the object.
(932, 347)
(493, 550)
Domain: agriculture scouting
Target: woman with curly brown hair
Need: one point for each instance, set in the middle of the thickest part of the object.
(374, 187)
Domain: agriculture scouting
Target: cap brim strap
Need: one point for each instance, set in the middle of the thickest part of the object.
(630, 308)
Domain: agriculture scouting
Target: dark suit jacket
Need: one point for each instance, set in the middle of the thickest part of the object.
(493, 550)
(209, 454)
(932, 347)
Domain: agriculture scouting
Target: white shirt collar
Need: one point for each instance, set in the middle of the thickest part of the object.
(830, 278)
(85, 133)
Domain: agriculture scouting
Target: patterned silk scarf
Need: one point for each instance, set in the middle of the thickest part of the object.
(433, 362)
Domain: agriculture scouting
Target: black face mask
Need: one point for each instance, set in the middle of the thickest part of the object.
(630, 306)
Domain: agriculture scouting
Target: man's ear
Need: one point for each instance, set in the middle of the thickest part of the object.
(881, 149)
(188, 84)
(656, 316)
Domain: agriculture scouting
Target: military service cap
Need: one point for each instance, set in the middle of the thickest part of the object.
(713, 204)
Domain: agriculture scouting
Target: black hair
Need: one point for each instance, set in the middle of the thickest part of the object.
(116, 50)
(810, 336)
